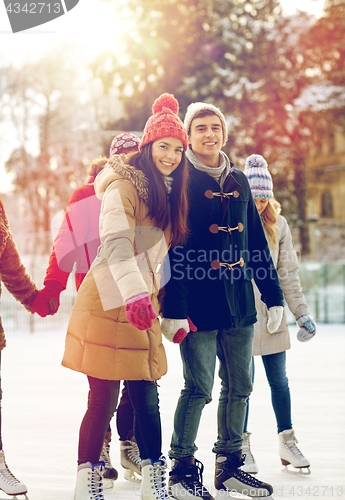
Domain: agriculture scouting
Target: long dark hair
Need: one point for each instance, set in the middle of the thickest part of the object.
(162, 208)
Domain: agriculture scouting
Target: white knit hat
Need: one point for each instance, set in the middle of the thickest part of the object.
(259, 178)
(195, 108)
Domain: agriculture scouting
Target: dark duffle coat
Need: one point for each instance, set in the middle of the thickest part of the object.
(212, 273)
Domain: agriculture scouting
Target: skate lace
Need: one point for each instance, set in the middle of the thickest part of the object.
(132, 452)
(105, 456)
(7, 475)
(194, 476)
(247, 453)
(290, 446)
(95, 484)
(159, 478)
(244, 477)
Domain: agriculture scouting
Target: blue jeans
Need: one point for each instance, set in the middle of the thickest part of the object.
(275, 367)
(147, 421)
(199, 350)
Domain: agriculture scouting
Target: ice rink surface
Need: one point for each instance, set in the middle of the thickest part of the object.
(43, 404)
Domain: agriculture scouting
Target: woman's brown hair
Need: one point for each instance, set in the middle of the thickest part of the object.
(269, 219)
(162, 208)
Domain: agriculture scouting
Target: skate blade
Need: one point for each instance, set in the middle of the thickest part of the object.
(131, 475)
(304, 471)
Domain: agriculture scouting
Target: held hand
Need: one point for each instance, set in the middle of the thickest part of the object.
(275, 315)
(47, 301)
(175, 330)
(140, 312)
(307, 329)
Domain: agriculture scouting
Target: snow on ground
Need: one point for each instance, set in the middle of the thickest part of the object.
(43, 404)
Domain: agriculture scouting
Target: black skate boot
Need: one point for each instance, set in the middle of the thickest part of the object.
(185, 480)
(230, 477)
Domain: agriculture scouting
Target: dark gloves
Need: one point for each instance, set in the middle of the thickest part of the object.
(47, 301)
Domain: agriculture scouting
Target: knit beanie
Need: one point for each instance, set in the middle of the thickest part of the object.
(124, 142)
(196, 107)
(259, 178)
(164, 122)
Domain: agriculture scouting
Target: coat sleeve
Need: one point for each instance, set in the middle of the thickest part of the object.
(71, 237)
(288, 269)
(120, 206)
(14, 276)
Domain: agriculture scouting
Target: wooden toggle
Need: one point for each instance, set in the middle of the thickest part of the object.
(214, 228)
(217, 265)
(210, 195)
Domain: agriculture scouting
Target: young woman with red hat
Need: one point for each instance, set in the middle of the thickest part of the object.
(113, 333)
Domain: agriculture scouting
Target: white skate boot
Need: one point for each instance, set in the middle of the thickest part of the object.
(10, 484)
(89, 482)
(153, 485)
(289, 453)
(249, 460)
(130, 459)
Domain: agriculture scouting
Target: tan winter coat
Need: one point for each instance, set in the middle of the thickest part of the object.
(12, 272)
(285, 259)
(100, 342)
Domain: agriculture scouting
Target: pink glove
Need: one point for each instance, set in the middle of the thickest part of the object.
(140, 312)
(181, 333)
(47, 301)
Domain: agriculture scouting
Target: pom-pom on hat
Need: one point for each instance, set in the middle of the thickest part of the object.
(124, 142)
(259, 178)
(164, 122)
(197, 107)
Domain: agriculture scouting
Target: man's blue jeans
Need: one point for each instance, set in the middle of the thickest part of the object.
(199, 350)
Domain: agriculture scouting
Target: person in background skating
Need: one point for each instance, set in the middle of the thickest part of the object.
(114, 333)
(18, 282)
(76, 244)
(217, 296)
(272, 347)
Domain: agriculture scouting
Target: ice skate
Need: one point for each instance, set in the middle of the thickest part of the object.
(231, 478)
(249, 465)
(185, 480)
(89, 482)
(110, 473)
(9, 484)
(290, 454)
(130, 459)
(153, 486)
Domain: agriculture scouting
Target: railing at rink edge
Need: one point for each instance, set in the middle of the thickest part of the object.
(323, 286)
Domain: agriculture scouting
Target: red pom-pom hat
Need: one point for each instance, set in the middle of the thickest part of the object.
(164, 122)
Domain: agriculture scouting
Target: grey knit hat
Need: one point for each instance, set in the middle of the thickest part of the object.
(259, 178)
(195, 108)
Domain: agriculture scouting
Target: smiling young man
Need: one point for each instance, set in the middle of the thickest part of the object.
(211, 285)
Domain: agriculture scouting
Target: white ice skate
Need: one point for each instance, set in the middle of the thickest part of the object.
(290, 454)
(10, 484)
(89, 482)
(249, 465)
(130, 460)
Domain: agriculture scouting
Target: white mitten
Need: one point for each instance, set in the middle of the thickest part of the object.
(307, 328)
(170, 327)
(275, 315)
